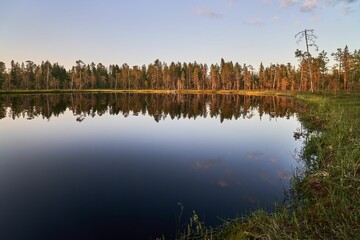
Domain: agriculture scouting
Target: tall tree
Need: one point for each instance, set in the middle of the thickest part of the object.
(322, 61)
(343, 59)
(346, 64)
(214, 76)
(60, 76)
(356, 67)
(261, 75)
(246, 77)
(309, 37)
(2, 74)
(79, 66)
(15, 75)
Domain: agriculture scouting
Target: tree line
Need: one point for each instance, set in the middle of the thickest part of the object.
(159, 106)
(312, 74)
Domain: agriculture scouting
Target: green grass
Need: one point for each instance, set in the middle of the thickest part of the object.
(326, 203)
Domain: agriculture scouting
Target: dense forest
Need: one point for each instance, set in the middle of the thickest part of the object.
(311, 74)
(159, 106)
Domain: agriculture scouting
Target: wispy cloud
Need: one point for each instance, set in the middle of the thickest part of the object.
(268, 177)
(284, 174)
(207, 12)
(254, 22)
(315, 18)
(205, 164)
(231, 3)
(273, 160)
(347, 10)
(288, 3)
(254, 155)
(228, 180)
(267, 2)
(275, 18)
(340, 1)
(309, 6)
(222, 183)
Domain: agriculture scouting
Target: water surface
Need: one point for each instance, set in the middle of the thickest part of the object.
(116, 166)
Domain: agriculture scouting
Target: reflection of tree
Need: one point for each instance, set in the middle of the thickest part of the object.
(159, 106)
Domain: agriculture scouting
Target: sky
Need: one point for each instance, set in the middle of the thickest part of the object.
(138, 32)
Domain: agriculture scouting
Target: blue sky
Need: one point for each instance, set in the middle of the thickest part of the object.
(140, 31)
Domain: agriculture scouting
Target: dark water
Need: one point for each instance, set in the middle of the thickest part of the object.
(115, 166)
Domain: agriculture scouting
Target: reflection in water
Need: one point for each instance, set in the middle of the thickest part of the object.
(159, 106)
(122, 175)
(205, 164)
(254, 155)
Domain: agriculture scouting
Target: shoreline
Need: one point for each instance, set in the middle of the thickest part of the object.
(157, 91)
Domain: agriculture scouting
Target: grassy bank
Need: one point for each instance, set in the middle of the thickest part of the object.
(326, 200)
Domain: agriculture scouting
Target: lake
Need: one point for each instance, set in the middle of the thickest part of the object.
(122, 166)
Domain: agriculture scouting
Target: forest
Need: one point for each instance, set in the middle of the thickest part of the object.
(312, 73)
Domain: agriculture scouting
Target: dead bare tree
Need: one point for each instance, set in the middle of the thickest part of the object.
(309, 37)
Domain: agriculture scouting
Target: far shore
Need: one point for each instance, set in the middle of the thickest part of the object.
(153, 91)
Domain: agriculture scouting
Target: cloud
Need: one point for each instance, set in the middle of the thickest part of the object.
(231, 3)
(333, 2)
(288, 3)
(273, 160)
(268, 177)
(284, 174)
(208, 13)
(347, 10)
(267, 2)
(254, 155)
(309, 6)
(205, 164)
(315, 18)
(275, 18)
(222, 183)
(254, 22)
(228, 180)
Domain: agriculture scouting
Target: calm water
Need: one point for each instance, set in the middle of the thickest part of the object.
(115, 166)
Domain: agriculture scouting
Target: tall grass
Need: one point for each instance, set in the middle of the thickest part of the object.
(330, 187)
